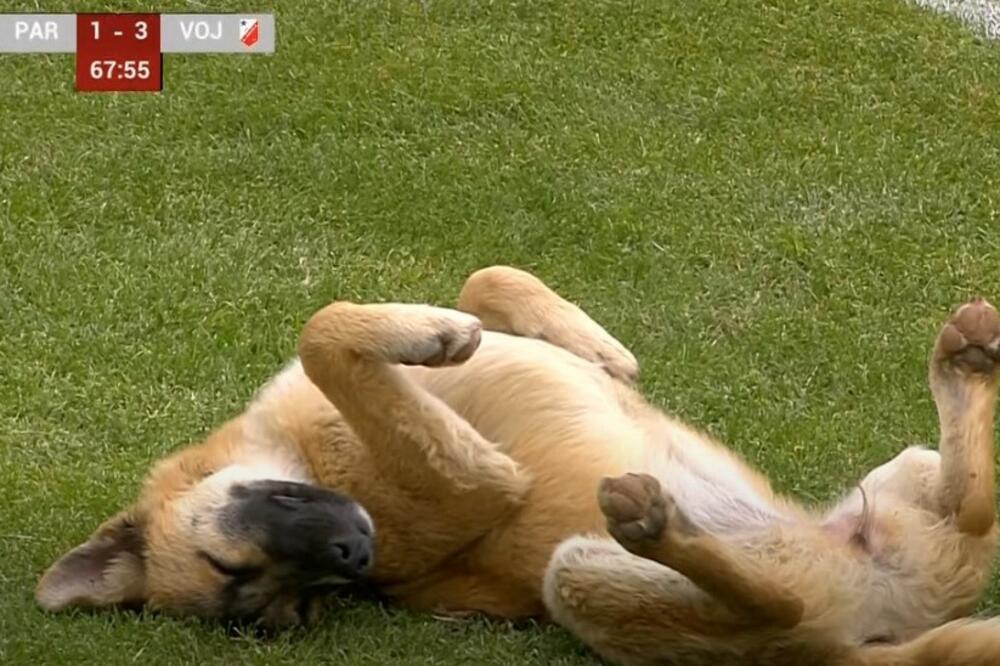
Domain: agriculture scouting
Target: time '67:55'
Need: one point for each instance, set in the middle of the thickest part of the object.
(115, 69)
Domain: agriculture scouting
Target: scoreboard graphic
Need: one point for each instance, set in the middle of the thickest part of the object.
(124, 52)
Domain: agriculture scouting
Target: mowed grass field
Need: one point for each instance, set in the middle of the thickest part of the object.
(774, 204)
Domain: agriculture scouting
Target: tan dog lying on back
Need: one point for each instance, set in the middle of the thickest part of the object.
(462, 470)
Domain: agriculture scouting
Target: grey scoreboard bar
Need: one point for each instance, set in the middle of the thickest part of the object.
(37, 33)
(216, 33)
(179, 33)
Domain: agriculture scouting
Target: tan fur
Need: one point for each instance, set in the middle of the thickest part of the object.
(479, 454)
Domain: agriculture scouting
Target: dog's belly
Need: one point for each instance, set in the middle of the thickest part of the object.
(571, 425)
(564, 421)
(539, 403)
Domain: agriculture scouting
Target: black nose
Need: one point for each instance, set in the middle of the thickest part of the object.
(352, 553)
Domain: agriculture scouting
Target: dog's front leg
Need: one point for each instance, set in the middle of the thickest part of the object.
(352, 353)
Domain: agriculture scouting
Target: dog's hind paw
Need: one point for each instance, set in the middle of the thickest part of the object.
(970, 341)
(634, 507)
(639, 512)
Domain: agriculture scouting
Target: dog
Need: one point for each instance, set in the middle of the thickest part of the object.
(497, 459)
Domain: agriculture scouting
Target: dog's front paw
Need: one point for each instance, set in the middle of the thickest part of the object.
(438, 337)
(970, 341)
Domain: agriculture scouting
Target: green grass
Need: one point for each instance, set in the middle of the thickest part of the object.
(774, 204)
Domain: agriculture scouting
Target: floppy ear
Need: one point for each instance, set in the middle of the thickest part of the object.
(106, 570)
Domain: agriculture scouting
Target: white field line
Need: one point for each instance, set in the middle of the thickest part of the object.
(982, 16)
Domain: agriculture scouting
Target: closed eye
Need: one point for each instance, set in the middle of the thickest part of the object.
(289, 501)
(240, 572)
(880, 640)
(295, 499)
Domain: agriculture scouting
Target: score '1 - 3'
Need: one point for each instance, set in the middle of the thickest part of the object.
(141, 30)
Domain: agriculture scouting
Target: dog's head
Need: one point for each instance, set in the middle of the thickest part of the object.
(227, 543)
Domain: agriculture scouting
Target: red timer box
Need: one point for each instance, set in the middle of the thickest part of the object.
(118, 52)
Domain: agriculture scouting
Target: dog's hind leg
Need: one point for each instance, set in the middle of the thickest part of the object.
(444, 476)
(963, 379)
(629, 610)
(668, 592)
(513, 301)
(636, 612)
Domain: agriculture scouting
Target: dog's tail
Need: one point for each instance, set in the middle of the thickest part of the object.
(959, 643)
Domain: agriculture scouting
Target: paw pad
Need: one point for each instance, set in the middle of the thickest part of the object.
(634, 506)
(971, 338)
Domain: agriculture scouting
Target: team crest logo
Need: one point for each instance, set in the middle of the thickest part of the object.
(249, 32)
